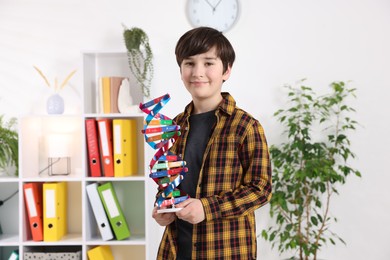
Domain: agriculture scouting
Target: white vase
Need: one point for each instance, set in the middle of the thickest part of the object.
(55, 104)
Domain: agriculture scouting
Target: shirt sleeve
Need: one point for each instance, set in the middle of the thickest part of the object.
(256, 185)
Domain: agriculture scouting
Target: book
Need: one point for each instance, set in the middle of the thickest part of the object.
(115, 85)
(109, 89)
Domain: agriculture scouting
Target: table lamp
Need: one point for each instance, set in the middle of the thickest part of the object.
(58, 152)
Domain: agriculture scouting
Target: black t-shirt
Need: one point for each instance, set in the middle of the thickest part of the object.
(200, 130)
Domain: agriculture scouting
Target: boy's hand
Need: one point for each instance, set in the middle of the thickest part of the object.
(192, 211)
(163, 219)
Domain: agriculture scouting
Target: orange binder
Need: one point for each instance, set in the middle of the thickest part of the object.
(105, 138)
(33, 202)
(93, 148)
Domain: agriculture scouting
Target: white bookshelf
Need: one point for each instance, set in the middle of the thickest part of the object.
(132, 191)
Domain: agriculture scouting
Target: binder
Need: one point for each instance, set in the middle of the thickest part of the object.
(125, 147)
(100, 253)
(99, 212)
(93, 147)
(33, 202)
(105, 141)
(114, 211)
(54, 210)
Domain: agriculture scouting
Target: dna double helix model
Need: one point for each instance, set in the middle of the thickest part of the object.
(166, 169)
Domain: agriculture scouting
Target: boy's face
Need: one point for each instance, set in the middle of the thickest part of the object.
(203, 75)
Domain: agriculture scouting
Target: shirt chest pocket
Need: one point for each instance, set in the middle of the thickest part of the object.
(222, 170)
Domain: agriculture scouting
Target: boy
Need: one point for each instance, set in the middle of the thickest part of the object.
(229, 172)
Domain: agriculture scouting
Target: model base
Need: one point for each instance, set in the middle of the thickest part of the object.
(170, 210)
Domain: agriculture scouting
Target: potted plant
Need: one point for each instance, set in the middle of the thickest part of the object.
(309, 167)
(140, 57)
(8, 146)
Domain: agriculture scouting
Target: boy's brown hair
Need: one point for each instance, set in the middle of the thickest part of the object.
(201, 40)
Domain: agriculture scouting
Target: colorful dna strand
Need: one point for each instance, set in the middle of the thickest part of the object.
(166, 169)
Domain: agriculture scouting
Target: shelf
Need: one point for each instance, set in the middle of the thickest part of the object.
(42, 137)
(134, 240)
(100, 64)
(9, 239)
(74, 216)
(68, 239)
(9, 213)
(35, 135)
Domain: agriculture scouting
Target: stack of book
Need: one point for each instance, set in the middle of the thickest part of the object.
(110, 88)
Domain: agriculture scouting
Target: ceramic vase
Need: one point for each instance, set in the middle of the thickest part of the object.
(55, 104)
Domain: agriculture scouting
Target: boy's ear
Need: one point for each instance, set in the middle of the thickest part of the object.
(226, 74)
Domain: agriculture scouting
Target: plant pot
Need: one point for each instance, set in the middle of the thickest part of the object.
(7, 168)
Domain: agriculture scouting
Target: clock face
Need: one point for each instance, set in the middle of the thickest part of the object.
(218, 14)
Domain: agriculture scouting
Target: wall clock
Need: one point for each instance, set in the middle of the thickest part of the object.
(218, 14)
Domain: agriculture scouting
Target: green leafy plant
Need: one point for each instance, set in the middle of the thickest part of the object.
(309, 168)
(8, 144)
(140, 57)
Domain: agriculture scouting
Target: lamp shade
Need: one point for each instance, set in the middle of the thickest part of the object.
(58, 145)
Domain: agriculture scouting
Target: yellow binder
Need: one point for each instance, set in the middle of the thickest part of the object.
(125, 147)
(100, 253)
(54, 210)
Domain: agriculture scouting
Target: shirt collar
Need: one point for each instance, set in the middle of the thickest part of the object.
(226, 106)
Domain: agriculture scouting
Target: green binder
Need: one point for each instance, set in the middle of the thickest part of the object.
(114, 211)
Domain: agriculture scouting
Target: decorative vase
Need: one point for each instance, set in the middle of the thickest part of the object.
(55, 104)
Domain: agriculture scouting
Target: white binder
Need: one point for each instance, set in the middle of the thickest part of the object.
(99, 212)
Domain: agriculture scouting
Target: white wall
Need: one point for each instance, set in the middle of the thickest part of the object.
(276, 42)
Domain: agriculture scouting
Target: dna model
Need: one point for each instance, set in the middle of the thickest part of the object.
(166, 169)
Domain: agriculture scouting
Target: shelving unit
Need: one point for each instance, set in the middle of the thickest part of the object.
(132, 191)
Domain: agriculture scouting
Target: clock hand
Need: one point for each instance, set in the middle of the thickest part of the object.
(212, 6)
(215, 7)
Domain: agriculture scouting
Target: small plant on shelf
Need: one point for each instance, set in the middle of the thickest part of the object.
(55, 103)
(309, 167)
(140, 57)
(8, 146)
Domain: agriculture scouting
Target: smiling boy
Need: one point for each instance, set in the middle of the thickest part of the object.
(229, 172)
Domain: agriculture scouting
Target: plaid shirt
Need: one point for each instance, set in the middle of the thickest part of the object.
(235, 179)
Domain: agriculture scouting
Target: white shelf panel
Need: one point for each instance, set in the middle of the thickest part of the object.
(68, 239)
(105, 179)
(9, 239)
(133, 240)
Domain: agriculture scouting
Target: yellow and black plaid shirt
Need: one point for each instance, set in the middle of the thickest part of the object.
(235, 179)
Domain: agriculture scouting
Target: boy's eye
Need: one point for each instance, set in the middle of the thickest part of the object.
(209, 63)
(188, 63)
